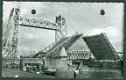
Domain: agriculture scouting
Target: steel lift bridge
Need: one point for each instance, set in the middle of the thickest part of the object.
(10, 39)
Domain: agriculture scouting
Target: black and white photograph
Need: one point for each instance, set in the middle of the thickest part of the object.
(81, 40)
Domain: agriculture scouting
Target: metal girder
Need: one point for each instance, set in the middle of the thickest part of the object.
(78, 54)
(38, 23)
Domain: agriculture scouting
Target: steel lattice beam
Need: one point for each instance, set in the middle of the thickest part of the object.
(78, 54)
(38, 23)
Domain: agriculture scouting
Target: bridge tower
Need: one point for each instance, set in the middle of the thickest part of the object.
(10, 38)
(59, 34)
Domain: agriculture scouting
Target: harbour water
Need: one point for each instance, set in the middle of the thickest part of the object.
(98, 73)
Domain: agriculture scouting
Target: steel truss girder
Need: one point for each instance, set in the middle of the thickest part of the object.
(78, 54)
(38, 23)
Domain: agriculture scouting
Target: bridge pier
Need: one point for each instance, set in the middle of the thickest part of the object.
(60, 63)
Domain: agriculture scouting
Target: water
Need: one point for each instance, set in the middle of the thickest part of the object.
(98, 73)
(86, 72)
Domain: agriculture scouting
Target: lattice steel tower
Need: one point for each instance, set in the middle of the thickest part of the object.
(10, 38)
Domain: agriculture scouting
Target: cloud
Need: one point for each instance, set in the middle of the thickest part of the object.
(114, 35)
(84, 17)
(111, 31)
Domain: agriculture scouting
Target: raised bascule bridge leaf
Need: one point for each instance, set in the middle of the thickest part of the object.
(66, 42)
(101, 47)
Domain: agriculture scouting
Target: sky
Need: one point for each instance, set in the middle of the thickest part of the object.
(80, 17)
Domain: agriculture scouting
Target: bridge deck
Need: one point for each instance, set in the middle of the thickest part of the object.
(101, 47)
